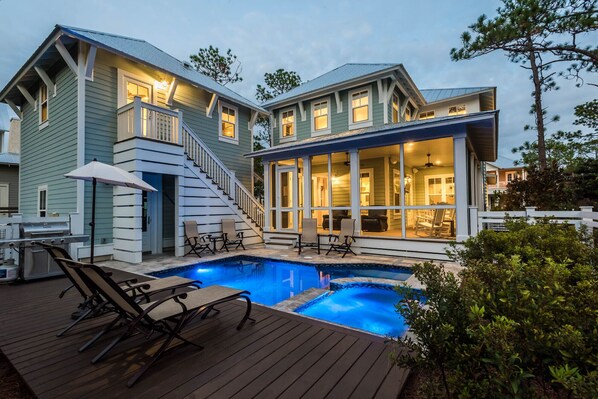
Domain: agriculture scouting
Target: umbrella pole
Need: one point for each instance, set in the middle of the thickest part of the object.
(93, 218)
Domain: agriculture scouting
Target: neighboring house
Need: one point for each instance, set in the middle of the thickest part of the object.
(498, 175)
(87, 95)
(9, 161)
(362, 141)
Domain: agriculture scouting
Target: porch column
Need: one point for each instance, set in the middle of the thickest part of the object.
(306, 187)
(266, 165)
(354, 178)
(473, 184)
(179, 215)
(461, 194)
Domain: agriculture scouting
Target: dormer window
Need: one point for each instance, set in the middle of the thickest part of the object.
(287, 124)
(43, 106)
(360, 114)
(457, 110)
(395, 108)
(408, 113)
(426, 115)
(320, 123)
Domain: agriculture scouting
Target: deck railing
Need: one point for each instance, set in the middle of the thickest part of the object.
(139, 119)
(495, 220)
(225, 179)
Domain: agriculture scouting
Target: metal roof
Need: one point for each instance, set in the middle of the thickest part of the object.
(483, 136)
(138, 50)
(435, 95)
(9, 158)
(342, 74)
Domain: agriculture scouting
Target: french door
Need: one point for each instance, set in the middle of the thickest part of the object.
(286, 212)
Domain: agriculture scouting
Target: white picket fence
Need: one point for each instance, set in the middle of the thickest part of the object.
(495, 220)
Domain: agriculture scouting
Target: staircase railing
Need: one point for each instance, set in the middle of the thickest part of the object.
(226, 180)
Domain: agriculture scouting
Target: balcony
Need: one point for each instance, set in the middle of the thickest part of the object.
(139, 119)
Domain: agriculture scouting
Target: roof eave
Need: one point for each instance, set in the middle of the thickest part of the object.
(488, 89)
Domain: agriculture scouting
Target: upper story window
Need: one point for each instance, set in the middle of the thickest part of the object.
(287, 124)
(360, 114)
(320, 123)
(138, 89)
(43, 106)
(426, 115)
(457, 110)
(229, 128)
(408, 113)
(395, 108)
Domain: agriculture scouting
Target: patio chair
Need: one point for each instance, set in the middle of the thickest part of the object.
(94, 304)
(167, 316)
(230, 236)
(198, 242)
(309, 237)
(430, 225)
(341, 243)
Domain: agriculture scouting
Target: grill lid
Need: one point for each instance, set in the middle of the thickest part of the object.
(37, 229)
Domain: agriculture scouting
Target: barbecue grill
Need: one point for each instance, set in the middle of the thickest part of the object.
(34, 261)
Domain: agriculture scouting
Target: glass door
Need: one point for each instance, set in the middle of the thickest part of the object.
(287, 198)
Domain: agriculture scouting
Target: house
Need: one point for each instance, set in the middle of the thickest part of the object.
(86, 95)
(498, 175)
(9, 161)
(364, 142)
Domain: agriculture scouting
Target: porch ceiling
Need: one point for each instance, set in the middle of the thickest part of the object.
(481, 129)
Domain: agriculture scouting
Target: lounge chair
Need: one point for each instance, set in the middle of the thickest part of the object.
(94, 304)
(309, 237)
(341, 243)
(167, 316)
(198, 242)
(230, 236)
(430, 225)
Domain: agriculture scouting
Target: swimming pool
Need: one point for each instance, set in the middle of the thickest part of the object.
(273, 281)
(367, 307)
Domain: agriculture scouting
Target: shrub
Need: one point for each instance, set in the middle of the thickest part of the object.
(521, 320)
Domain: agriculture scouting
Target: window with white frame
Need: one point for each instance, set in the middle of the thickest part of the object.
(43, 105)
(408, 113)
(395, 108)
(440, 189)
(42, 201)
(287, 124)
(320, 123)
(426, 115)
(457, 110)
(229, 128)
(360, 114)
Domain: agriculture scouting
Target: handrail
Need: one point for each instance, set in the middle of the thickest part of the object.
(140, 119)
(226, 180)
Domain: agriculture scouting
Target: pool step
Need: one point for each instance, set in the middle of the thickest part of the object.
(281, 242)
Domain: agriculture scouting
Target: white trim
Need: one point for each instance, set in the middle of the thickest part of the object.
(339, 102)
(123, 77)
(321, 132)
(302, 111)
(14, 107)
(392, 97)
(222, 138)
(49, 83)
(372, 184)
(381, 91)
(39, 190)
(370, 120)
(66, 56)
(251, 122)
(444, 183)
(212, 105)
(171, 91)
(90, 62)
(281, 138)
(27, 96)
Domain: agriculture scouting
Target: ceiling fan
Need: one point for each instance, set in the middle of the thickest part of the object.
(429, 164)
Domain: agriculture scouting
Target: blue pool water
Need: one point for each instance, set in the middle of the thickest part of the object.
(272, 281)
(364, 307)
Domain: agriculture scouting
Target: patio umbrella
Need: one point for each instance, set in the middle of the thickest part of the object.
(100, 172)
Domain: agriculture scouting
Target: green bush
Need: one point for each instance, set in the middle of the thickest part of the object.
(521, 320)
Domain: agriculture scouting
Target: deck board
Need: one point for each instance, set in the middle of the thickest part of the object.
(280, 355)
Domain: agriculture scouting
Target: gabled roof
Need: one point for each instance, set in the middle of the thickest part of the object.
(435, 95)
(342, 75)
(146, 53)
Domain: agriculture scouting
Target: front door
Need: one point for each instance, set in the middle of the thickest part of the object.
(151, 217)
(287, 198)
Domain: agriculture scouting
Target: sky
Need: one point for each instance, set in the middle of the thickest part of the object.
(309, 37)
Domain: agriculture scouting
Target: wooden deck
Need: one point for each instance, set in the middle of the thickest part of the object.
(281, 355)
